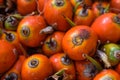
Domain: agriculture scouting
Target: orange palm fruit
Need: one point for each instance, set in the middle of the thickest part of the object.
(62, 61)
(8, 56)
(29, 30)
(79, 40)
(54, 11)
(12, 38)
(36, 67)
(25, 7)
(15, 72)
(53, 43)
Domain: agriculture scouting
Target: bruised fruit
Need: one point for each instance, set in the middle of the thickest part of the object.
(85, 70)
(78, 41)
(36, 67)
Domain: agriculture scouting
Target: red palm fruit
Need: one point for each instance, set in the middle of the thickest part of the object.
(36, 67)
(107, 27)
(8, 56)
(15, 72)
(79, 40)
(25, 7)
(53, 43)
(29, 30)
(12, 38)
(62, 61)
(54, 13)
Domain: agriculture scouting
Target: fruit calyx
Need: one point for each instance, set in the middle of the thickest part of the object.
(25, 31)
(9, 36)
(11, 76)
(66, 60)
(33, 63)
(59, 3)
(79, 38)
(117, 54)
(116, 19)
(102, 9)
(84, 11)
(12, 21)
(52, 44)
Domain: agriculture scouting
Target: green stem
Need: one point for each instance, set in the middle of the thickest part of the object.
(98, 66)
(69, 21)
(60, 72)
(76, 6)
(107, 8)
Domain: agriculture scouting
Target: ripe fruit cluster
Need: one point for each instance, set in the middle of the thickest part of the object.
(59, 40)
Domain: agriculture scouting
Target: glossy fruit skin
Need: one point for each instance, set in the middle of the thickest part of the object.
(87, 2)
(53, 43)
(29, 30)
(107, 74)
(85, 70)
(16, 69)
(58, 64)
(106, 28)
(38, 72)
(54, 14)
(41, 4)
(25, 7)
(81, 40)
(8, 56)
(112, 51)
(115, 6)
(83, 18)
(12, 38)
(98, 8)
